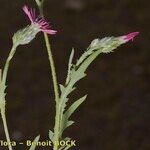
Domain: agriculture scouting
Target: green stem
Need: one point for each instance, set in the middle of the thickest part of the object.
(50, 55)
(57, 128)
(6, 129)
(6, 67)
(2, 92)
(51, 60)
(55, 83)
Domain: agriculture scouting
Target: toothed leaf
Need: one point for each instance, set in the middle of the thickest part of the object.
(105, 45)
(74, 106)
(70, 66)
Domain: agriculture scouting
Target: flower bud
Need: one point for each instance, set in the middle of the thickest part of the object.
(26, 35)
(108, 44)
(94, 43)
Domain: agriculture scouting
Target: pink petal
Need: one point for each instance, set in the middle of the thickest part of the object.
(130, 36)
(42, 23)
(49, 31)
(33, 14)
(30, 14)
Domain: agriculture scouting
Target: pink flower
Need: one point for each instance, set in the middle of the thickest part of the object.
(39, 22)
(130, 36)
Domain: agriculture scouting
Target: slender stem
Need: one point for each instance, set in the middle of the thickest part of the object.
(51, 60)
(3, 103)
(55, 83)
(50, 55)
(57, 117)
(6, 67)
(6, 128)
(57, 128)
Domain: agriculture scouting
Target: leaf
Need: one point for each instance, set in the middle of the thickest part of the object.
(2, 96)
(68, 147)
(61, 148)
(105, 45)
(69, 123)
(84, 56)
(62, 88)
(35, 141)
(65, 122)
(51, 135)
(67, 139)
(74, 106)
(69, 66)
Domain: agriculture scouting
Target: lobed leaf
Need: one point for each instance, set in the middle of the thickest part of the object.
(77, 71)
(70, 66)
(74, 106)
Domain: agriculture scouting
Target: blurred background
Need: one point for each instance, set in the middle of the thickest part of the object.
(116, 115)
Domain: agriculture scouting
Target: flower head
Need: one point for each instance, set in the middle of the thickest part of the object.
(108, 44)
(40, 23)
(27, 34)
(130, 36)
